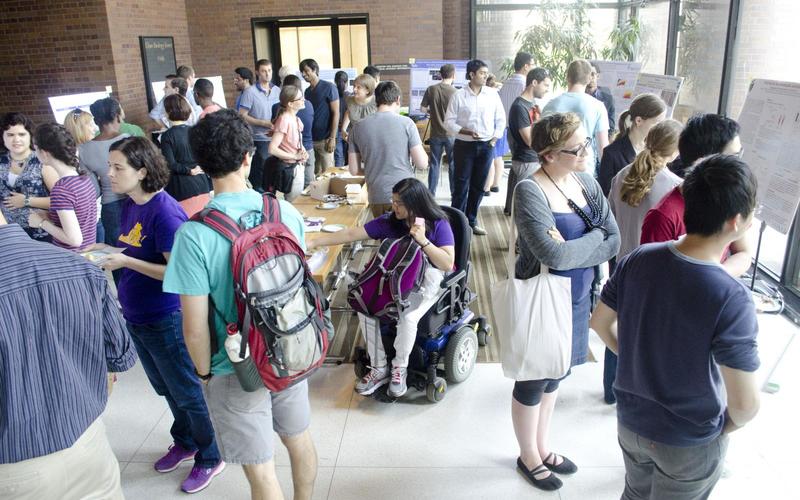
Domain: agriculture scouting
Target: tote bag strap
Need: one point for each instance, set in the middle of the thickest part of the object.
(512, 237)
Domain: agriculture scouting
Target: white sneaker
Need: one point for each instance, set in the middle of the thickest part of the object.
(372, 381)
(398, 385)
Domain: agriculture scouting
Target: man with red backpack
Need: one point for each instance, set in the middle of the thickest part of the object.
(200, 270)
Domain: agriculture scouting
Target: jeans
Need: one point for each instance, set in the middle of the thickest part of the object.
(256, 176)
(166, 362)
(436, 145)
(340, 153)
(110, 215)
(472, 162)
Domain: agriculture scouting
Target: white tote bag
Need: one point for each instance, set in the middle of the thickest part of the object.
(533, 321)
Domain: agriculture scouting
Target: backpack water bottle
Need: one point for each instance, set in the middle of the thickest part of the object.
(239, 354)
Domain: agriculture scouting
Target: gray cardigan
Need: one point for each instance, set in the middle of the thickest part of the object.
(533, 217)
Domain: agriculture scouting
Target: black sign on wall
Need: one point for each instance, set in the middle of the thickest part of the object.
(158, 60)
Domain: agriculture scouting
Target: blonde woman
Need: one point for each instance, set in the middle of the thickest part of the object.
(80, 125)
(359, 105)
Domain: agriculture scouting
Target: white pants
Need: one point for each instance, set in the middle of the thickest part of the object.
(420, 302)
(297, 183)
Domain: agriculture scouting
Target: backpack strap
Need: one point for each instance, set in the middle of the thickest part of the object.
(219, 222)
(272, 208)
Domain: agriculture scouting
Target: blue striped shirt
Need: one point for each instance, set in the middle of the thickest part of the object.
(61, 331)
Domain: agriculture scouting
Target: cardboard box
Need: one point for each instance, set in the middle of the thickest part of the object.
(338, 185)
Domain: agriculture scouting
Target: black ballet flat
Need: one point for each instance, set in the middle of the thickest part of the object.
(565, 467)
(549, 483)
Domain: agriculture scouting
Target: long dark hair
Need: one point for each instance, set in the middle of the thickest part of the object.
(419, 202)
(59, 143)
(341, 79)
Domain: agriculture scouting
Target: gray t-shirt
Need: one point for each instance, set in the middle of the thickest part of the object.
(94, 158)
(384, 141)
(630, 219)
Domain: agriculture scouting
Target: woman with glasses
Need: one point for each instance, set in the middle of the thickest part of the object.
(564, 223)
(287, 140)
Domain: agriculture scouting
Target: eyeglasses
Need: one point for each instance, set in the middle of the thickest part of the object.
(580, 150)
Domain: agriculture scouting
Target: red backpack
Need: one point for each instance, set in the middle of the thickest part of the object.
(281, 309)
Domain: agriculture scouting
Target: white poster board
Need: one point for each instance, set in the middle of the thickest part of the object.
(666, 87)
(770, 134)
(620, 77)
(218, 96)
(424, 73)
(63, 104)
(329, 75)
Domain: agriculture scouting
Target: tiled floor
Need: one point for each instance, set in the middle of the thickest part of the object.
(463, 447)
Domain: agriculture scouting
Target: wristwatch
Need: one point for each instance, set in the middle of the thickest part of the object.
(204, 378)
(27, 201)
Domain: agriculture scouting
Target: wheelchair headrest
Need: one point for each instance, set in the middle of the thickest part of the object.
(462, 234)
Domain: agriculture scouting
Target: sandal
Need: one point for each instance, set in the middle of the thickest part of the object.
(565, 467)
(548, 483)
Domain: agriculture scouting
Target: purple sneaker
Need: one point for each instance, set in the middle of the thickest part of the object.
(176, 455)
(201, 477)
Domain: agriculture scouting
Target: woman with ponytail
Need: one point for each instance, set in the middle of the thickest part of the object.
(72, 217)
(287, 142)
(646, 110)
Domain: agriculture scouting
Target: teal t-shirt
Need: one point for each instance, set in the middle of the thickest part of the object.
(200, 262)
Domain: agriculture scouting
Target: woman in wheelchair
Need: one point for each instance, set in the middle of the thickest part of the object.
(411, 201)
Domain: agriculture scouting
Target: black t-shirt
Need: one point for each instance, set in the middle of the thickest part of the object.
(519, 116)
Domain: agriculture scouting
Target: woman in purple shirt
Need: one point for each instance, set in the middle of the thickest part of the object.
(411, 200)
(148, 223)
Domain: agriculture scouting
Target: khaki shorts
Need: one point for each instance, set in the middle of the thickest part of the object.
(244, 421)
(322, 159)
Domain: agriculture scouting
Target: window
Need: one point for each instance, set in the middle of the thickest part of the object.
(654, 20)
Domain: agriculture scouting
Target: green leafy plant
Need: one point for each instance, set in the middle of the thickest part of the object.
(624, 41)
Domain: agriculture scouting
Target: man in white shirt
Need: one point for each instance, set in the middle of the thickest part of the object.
(475, 116)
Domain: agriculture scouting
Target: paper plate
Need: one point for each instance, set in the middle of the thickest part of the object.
(327, 206)
(316, 220)
(333, 228)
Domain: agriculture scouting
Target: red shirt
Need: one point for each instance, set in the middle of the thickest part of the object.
(664, 222)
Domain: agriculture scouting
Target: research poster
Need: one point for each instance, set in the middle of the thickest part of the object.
(424, 73)
(63, 104)
(770, 134)
(620, 77)
(666, 87)
(218, 96)
(329, 74)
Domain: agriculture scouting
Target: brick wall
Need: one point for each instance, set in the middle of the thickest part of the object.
(455, 32)
(52, 48)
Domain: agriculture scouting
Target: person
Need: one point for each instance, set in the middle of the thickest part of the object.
(187, 183)
(501, 149)
(25, 183)
(410, 200)
(131, 129)
(512, 88)
(564, 223)
(434, 102)
(54, 443)
(287, 137)
(593, 114)
(602, 94)
(187, 73)
(634, 123)
(242, 80)
(158, 115)
(285, 71)
(673, 424)
(72, 217)
(150, 219)
(306, 116)
(523, 114)
(475, 116)
(199, 269)
(203, 95)
(94, 158)
(634, 190)
(80, 125)
(325, 99)
(359, 105)
(665, 221)
(372, 71)
(341, 80)
(384, 141)
(256, 108)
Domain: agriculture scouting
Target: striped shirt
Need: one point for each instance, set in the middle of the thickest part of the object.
(512, 88)
(75, 193)
(61, 331)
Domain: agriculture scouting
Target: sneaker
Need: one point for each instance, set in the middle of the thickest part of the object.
(200, 477)
(376, 378)
(398, 385)
(176, 455)
(478, 230)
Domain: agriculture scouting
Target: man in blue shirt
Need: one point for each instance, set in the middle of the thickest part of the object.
(256, 108)
(325, 99)
(685, 333)
(306, 116)
(242, 80)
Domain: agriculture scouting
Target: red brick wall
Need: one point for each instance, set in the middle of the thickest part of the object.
(455, 32)
(52, 48)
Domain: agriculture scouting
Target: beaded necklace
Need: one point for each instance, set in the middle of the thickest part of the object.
(593, 219)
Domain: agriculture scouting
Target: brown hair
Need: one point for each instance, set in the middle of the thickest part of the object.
(177, 108)
(288, 94)
(367, 82)
(645, 106)
(579, 71)
(660, 144)
(79, 124)
(552, 132)
(143, 154)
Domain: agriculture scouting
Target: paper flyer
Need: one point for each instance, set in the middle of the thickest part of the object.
(424, 73)
(620, 77)
(666, 87)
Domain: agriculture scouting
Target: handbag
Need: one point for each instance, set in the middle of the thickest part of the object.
(533, 320)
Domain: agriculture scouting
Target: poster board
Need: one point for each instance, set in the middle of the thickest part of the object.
(218, 97)
(664, 86)
(63, 104)
(329, 74)
(620, 77)
(424, 73)
(158, 61)
(770, 135)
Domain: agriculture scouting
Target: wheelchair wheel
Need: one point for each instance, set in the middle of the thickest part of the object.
(460, 356)
(436, 390)
(484, 330)
(360, 363)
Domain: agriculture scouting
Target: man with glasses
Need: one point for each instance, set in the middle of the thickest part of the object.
(602, 94)
(475, 116)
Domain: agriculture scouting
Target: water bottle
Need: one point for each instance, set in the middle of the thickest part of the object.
(246, 371)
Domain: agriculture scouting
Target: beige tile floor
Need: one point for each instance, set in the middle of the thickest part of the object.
(463, 447)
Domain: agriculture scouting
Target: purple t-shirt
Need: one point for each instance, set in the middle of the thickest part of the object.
(75, 193)
(386, 226)
(146, 232)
